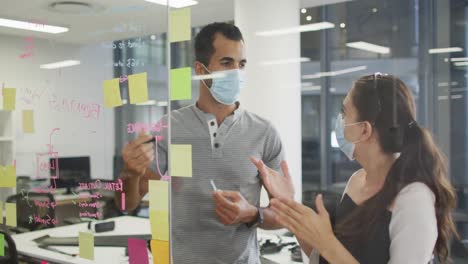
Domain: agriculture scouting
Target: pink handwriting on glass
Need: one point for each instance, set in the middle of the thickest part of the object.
(87, 110)
(109, 186)
(137, 127)
(95, 204)
(87, 214)
(123, 78)
(45, 221)
(45, 204)
(29, 48)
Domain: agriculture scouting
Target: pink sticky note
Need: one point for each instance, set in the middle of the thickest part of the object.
(137, 251)
(123, 201)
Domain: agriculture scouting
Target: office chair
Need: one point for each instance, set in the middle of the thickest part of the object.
(11, 255)
(26, 209)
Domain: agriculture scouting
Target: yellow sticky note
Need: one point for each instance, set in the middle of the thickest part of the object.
(158, 195)
(112, 96)
(181, 160)
(10, 209)
(160, 225)
(160, 251)
(8, 176)
(28, 121)
(138, 88)
(9, 99)
(181, 84)
(86, 243)
(179, 25)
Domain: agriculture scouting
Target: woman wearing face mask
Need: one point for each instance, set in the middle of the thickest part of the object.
(397, 209)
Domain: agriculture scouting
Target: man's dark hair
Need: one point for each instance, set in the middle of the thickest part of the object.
(204, 48)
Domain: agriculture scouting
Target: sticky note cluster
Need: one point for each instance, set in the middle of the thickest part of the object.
(137, 86)
(159, 219)
(180, 29)
(8, 176)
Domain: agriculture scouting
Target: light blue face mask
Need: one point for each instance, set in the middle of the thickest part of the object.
(226, 90)
(345, 146)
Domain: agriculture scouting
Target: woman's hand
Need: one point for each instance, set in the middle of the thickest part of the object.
(312, 228)
(277, 185)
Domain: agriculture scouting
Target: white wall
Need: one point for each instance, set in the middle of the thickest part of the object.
(278, 86)
(38, 88)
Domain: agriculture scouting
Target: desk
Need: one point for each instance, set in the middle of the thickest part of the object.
(282, 257)
(123, 225)
(27, 247)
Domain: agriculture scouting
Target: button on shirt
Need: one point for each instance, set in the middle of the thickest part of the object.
(220, 152)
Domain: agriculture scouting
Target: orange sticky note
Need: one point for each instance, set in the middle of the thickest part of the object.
(8, 176)
(160, 225)
(138, 88)
(158, 196)
(28, 121)
(10, 209)
(112, 96)
(181, 160)
(9, 99)
(86, 243)
(160, 251)
(179, 25)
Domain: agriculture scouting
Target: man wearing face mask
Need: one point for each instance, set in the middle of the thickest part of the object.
(228, 143)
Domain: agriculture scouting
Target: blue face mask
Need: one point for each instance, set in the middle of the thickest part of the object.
(226, 90)
(345, 146)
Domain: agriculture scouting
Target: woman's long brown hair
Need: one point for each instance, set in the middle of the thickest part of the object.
(387, 103)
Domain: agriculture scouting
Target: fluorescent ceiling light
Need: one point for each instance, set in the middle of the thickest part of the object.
(461, 63)
(164, 103)
(149, 102)
(362, 45)
(31, 26)
(208, 76)
(303, 28)
(285, 61)
(445, 50)
(60, 64)
(459, 59)
(174, 3)
(333, 73)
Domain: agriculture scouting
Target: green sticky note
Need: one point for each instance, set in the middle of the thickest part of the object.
(8, 176)
(160, 225)
(112, 96)
(9, 99)
(138, 88)
(10, 209)
(158, 195)
(28, 121)
(181, 84)
(86, 244)
(179, 25)
(181, 160)
(2, 245)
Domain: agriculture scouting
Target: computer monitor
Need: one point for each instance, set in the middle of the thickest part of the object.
(71, 171)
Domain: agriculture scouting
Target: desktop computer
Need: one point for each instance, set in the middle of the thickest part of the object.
(71, 171)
